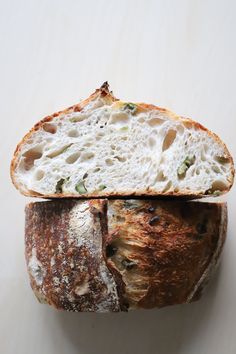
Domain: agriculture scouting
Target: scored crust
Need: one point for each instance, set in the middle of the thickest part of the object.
(119, 255)
(107, 95)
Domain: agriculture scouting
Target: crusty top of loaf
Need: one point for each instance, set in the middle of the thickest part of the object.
(104, 147)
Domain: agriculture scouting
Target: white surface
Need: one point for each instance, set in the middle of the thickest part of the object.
(178, 54)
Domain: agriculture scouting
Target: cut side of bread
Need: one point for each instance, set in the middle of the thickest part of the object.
(105, 147)
(118, 255)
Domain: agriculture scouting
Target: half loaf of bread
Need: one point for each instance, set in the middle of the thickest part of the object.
(104, 147)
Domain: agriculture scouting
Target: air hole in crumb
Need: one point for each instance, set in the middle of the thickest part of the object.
(113, 147)
(34, 194)
(162, 160)
(99, 135)
(216, 169)
(169, 139)
(203, 157)
(30, 156)
(73, 133)
(167, 187)
(188, 124)
(88, 144)
(59, 151)
(221, 159)
(109, 162)
(141, 120)
(219, 186)
(97, 169)
(86, 156)
(180, 129)
(197, 171)
(160, 177)
(120, 158)
(50, 128)
(155, 121)
(72, 158)
(39, 175)
(151, 142)
(119, 117)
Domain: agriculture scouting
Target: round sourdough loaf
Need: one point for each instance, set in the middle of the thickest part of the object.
(117, 255)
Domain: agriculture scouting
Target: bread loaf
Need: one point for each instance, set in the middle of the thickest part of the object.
(104, 147)
(118, 255)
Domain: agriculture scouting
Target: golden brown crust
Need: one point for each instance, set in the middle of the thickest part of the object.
(163, 249)
(158, 253)
(106, 93)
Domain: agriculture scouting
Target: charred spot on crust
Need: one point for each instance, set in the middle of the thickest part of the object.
(104, 89)
(151, 209)
(77, 108)
(202, 227)
(154, 220)
(111, 250)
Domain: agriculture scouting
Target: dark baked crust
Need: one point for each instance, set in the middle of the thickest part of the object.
(132, 253)
(66, 269)
(166, 250)
(109, 97)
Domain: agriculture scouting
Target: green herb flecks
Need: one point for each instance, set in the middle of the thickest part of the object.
(131, 107)
(189, 161)
(101, 187)
(124, 129)
(60, 184)
(216, 193)
(80, 187)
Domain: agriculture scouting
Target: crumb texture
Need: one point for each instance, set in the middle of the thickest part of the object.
(109, 147)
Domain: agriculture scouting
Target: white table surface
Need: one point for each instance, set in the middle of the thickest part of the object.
(176, 54)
